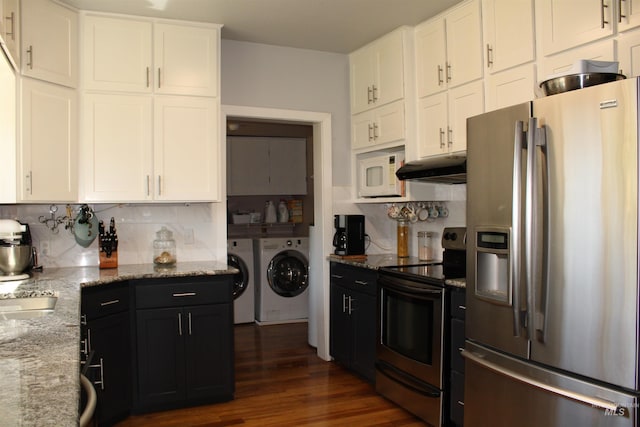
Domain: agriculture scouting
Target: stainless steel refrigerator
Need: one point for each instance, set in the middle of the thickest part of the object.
(552, 266)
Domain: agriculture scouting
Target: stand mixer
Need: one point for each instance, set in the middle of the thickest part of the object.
(16, 252)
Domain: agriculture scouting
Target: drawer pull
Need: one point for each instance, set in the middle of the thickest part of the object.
(361, 282)
(115, 301)
(461, 403)
(462, 307)
(337, 276)
(185, 294)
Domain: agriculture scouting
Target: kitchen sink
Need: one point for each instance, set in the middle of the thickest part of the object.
(27, 307)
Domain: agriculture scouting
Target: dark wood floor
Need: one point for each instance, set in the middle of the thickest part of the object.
(281, 382)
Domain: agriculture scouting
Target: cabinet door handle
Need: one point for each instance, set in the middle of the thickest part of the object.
(184, 294)
(350, 306)
(159, 78)
(450, 138)
(30, 57)
(603, 6)
(344, 303)
(189, 321)
(620, 14)
(88, 340)
(29, 183)
(180, 324)
(115, 301)
(375, 93)
(370, 132)
(440, 81)
(148, 82)
(11, 19)
(441, 138)
(448, 72)
(489, 56)
(148, 186)
(369, 95)
(375, 131)
(83, 319)
(159, 185)
(101, 380)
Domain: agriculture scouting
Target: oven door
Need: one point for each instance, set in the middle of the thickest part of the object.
(410, 329)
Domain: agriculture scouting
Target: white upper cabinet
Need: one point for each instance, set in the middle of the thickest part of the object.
(442, 119)
(564, 24)
(509, 87)
(449, 49)
(508, 33)
(377, 72)
(8, 141)
(118, 52)
(10, 30)
(186, 60)
(186, 149)
(117, 146)
(48, 145)
(628, 14)
(49, 42)
(137, 149)
(378, 126)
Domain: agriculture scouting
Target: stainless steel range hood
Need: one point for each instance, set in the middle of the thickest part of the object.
(444, 170)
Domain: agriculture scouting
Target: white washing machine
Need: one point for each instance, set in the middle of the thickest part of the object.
(240, 256)
(282, 279)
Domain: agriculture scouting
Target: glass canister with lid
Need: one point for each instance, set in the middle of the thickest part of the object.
(425, 250)
(164, 248)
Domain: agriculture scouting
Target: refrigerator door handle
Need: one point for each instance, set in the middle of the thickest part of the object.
(579, 397)
(516, 236)
(535, 138)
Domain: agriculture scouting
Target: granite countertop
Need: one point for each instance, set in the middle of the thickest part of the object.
(377, 261)
(40, 357)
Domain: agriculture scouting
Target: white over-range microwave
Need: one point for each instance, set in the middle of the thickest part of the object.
(377, 175)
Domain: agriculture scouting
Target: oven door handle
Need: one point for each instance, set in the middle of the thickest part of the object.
(410, 290)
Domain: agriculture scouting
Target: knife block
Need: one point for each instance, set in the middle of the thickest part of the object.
(109, 262)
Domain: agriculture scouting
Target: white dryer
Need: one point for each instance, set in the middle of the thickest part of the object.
(282, 279)
(240, 256)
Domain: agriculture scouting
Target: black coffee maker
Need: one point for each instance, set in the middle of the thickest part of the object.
(349, 236)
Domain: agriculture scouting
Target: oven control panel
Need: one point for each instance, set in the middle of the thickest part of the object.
(454, 238)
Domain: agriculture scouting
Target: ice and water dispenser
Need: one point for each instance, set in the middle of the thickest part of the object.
(493, 261)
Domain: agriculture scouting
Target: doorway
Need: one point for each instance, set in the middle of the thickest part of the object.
(320, 229)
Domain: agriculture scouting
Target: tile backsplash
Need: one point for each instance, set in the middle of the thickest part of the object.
(194, 228)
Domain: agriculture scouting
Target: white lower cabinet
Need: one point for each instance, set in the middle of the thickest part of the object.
(47, 165)
(140, 148)
(442, 119)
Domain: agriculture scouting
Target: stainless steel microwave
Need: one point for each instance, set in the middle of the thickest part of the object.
(377, 175)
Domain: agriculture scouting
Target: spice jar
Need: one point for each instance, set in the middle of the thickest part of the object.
(403, 238)
(425, 251)
(164, 248)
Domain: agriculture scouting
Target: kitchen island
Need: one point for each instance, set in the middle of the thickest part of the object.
(40, 357)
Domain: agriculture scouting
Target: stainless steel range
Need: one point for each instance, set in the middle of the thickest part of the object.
(412, 330)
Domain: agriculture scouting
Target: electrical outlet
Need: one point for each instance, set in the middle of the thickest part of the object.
(188, 236)
(45, 247)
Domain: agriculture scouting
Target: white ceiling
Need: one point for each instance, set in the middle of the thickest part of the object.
(339, 26)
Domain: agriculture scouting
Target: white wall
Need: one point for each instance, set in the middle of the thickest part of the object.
(261, 75)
